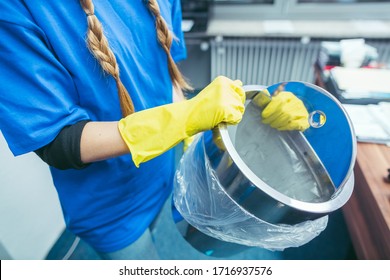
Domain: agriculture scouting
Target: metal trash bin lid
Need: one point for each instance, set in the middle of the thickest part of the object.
(333, 143)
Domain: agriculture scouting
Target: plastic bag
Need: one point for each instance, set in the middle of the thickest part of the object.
(202, 201)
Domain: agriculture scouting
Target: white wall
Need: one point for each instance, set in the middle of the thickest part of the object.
(30, 214)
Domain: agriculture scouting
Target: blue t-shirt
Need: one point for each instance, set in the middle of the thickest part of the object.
(49, 79)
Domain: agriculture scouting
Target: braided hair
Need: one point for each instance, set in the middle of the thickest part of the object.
(98, 45)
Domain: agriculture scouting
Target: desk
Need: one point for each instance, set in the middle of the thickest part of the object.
(367, 213)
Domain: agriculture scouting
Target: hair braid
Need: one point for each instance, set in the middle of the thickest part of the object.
(165, 37)
(99, 47)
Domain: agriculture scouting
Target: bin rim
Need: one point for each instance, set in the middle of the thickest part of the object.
(338, 199)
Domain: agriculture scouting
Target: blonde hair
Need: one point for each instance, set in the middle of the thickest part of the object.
(99, 47)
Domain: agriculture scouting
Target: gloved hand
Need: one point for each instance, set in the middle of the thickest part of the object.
(151, 132)
(187, 142)
(285, 111)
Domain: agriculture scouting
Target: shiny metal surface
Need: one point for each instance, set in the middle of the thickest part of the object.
(299, 197)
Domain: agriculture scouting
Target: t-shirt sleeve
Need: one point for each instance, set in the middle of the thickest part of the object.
(178, 48)
(37, 94)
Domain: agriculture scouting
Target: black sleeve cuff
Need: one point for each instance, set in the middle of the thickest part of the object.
(64, 151)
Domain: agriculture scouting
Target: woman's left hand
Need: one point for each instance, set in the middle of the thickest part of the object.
(285, 111)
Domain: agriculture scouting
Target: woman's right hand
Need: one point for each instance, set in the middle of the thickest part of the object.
(151, 132)
(222, 101)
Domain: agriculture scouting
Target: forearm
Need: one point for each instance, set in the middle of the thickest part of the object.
(147, 133)
(151, 132)
(100, 141)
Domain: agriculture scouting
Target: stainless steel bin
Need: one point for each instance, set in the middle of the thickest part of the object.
(257, 186)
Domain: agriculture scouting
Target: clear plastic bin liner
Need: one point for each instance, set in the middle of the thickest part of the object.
(203, 202)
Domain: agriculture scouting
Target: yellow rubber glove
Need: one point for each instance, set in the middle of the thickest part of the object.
(285, 111)
(262, 98)
(187, 142)
(151, 132)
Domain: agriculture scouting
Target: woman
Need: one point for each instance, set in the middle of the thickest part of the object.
(101, 116)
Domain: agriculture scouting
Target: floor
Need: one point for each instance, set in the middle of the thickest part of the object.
(332, 244)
